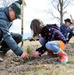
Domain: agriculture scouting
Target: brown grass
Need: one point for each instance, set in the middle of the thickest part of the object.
(50, 69)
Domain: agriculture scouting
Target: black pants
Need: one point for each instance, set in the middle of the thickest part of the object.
(70, 36)
(16, 37)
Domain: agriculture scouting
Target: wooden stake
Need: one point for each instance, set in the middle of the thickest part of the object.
(22, 26)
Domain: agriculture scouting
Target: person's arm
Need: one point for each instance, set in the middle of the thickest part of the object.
(71, 31)
(41, 50)
(62, 29)
(38, 52)
(8, 38)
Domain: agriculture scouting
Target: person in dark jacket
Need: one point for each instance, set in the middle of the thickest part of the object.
(51, 40)
(66, 30)
(10, 40)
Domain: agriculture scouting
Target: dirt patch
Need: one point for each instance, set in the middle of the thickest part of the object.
(14, 65)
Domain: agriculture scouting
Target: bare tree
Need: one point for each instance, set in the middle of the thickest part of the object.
(60, 6)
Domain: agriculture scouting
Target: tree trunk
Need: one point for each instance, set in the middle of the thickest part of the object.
(61, 11)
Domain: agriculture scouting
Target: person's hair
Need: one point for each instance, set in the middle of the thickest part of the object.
(36, 26)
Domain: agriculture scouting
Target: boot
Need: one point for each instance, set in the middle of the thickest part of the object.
(63, 57)
(49, 53)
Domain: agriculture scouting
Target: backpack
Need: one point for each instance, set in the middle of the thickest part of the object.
(50, 26)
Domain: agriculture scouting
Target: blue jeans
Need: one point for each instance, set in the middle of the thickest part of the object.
(50, 45)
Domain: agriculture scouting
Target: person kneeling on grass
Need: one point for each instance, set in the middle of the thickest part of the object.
(51, 40)
(10, 40)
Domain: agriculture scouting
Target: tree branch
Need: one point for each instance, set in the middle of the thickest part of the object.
(55, 16)
(67, 3)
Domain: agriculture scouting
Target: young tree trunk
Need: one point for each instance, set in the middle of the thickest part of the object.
(61, 11)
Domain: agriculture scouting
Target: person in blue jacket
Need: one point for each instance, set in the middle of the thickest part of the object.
(51, 39)
(10, 40)
(66, 30)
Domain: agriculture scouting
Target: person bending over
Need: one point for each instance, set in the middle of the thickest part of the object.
(10, 40)
(51, 40)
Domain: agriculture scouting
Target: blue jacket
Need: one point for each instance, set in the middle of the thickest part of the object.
(65, 31)
(5, 24)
